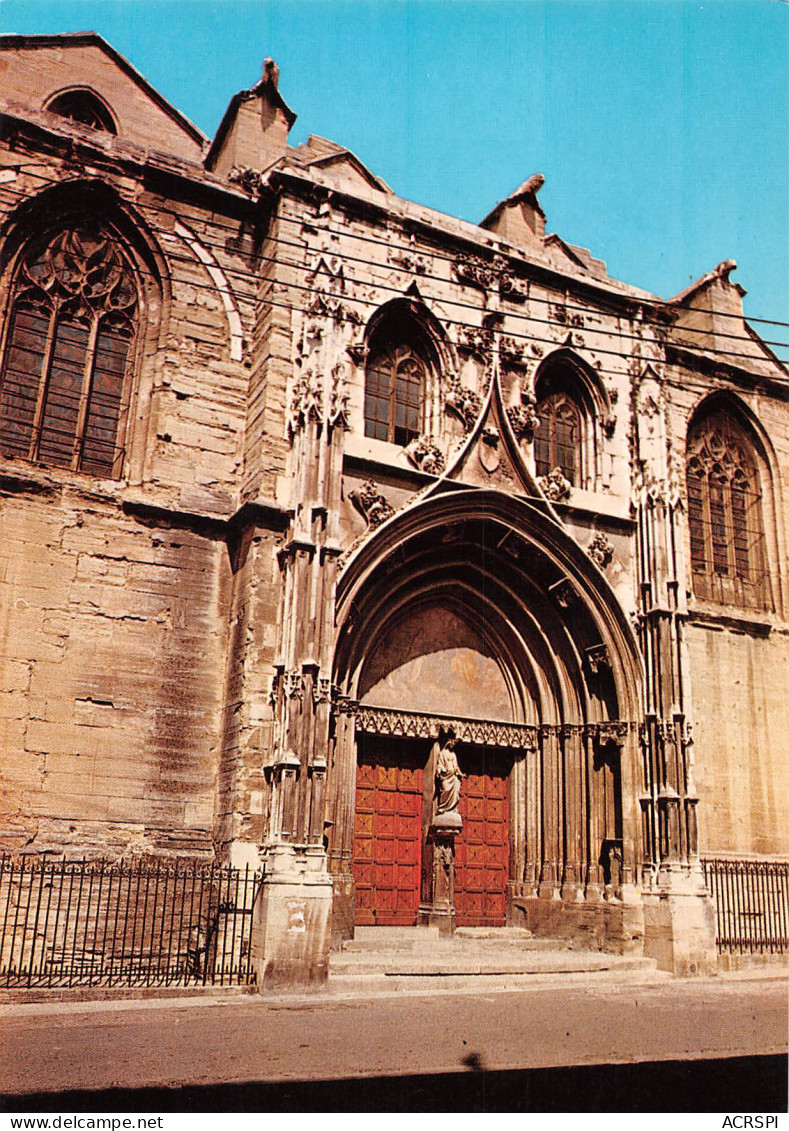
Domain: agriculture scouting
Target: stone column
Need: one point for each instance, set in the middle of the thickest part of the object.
(679, 921)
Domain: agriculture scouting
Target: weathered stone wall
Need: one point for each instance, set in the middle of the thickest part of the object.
(112, 650)
(739, 658)
(741, 720)
(116, 594)
(33, 76)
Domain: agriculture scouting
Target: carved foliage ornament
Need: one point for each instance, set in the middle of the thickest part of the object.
(600, 550)
(465, 402)
(425, 455)
(555, 486)
(490, 276)
(523, 418)
(371, 505)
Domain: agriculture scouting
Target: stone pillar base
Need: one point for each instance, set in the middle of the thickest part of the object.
(440, 912)
(291, 924)
(679, 924)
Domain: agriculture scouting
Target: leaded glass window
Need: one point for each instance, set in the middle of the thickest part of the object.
(557, 439)
(393, 392)
(68, 349)
(727, 550)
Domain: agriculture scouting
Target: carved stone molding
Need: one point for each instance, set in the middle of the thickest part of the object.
(425, 455)
(478, 342)
(475, 272)
(305, 401)
(339, 399)
(358, 353)
(600, 550)
(609, 733)
(402, 724)
(327, 306)
(515, 736)
(555, 486)
(371, 505)
(292, 683)
(487, 277)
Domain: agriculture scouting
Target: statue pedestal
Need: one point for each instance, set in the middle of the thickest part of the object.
(440, 910)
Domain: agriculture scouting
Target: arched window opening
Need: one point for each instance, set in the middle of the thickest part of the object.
(564, 436)
(727, 547)
(84, 107)
(393, 395)
(67, 353)
(557, 438)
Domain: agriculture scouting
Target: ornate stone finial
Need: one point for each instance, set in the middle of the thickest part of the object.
(371, 505)
(555, 486)
(270, 72)
(724, 269)
(533, 185)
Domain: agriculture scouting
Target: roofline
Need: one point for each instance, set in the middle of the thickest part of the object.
(472, 239)
(93, 39)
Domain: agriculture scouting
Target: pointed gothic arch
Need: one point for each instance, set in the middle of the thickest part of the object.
(84, 288)
(531, 607)
(570, 403)
(730, 506)
(407, 352)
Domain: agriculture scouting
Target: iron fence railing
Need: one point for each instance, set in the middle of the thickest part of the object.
(751, 903)
(145, 923)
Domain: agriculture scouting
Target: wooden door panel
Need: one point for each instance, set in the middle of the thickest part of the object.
(387, 848)
(482, 848)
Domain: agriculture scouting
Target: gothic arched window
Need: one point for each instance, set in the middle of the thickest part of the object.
(727, 551)
(84, 107)
(557, 438)
(393, 393)
(67, 353)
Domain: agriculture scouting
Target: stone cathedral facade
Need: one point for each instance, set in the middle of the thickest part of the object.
(300, 482)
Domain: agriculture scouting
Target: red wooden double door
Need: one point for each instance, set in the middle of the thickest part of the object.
(393, 809)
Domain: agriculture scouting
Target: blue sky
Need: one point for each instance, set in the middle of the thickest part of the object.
(662, 127)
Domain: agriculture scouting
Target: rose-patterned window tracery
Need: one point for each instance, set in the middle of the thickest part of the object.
(393, 393)
(727, 551)
(67, 353)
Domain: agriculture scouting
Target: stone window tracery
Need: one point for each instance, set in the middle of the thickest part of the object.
(67, 353)
(727, 550)
(557, 438)
(394, 390)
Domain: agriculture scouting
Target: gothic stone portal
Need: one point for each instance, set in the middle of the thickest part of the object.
(392, 855)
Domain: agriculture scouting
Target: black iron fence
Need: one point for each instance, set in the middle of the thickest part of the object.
(146, 923)
(752, 905)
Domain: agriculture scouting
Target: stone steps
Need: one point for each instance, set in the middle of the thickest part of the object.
(381, 959)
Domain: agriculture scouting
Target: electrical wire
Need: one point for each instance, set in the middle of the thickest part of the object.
(436, 256)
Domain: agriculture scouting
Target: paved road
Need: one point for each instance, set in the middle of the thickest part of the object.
(165, 1044)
